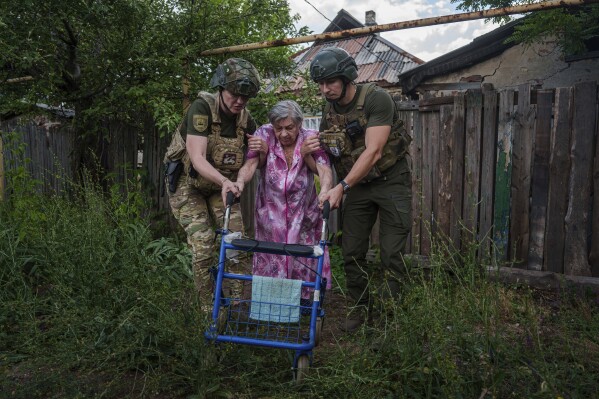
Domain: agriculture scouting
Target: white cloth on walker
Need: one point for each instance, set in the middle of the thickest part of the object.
(275, 299)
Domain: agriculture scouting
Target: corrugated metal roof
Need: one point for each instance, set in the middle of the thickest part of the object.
(378, 59)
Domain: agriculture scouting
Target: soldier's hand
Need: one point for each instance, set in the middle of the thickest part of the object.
(228, 185)
(334, 196)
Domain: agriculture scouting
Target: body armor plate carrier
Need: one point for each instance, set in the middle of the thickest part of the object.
(345, 138)
(224, 153)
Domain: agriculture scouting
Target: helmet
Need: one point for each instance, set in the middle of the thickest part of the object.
(331, 62)
(237, 76)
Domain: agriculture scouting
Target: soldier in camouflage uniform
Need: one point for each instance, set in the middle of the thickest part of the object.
(365, 138)
(203, 159)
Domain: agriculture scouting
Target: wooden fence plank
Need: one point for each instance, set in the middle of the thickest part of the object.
(472, 157)
(521, 171)
(457, 169)
(434, 127)
(446, 143)
(579, 190)
(503, 174)
(416, 156)
(487, 178)
(540, 179)
(409, 118)
(559, 168)
(594, 255)
(425, 238)
(1, 168)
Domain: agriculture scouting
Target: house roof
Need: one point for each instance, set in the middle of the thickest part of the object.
(378, 59)
(482, 48)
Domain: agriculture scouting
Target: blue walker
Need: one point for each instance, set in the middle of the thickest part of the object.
(275, 316)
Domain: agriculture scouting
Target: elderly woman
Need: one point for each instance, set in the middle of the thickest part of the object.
(287, 205)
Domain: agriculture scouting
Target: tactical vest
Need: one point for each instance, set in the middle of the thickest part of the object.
(345, 138)
(224, 153)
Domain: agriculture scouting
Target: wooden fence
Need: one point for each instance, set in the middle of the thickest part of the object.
(44, 146)
(514, 170)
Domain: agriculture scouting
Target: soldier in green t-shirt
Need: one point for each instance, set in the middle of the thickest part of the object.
(205, 154)
(367, 142)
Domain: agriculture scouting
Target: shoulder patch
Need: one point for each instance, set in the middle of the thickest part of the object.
(200, 123)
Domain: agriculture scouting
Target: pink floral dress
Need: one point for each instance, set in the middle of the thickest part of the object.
(287, 210)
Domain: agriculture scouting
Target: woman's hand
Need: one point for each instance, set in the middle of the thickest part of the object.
(322, 197)
(240, 185)
(257, 144)
(310, 145)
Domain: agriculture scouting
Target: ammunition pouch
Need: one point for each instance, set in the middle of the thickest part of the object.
(176, 149)
(354, 131)
(334, 142)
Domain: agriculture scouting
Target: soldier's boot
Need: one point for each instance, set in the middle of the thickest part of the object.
(355, 319)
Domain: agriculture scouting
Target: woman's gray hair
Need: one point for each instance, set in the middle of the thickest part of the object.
(286, 109)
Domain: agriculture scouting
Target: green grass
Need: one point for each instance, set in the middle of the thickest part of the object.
(94, 305)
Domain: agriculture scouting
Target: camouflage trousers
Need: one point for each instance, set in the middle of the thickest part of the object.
(199, 214)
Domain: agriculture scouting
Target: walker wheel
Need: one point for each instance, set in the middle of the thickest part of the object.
(303, 363)
(318, 332)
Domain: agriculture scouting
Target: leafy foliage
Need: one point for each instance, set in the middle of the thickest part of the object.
(575, 27)
(123, 59)
(309, 101)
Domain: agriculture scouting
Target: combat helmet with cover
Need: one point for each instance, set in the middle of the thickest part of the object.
(238, 76)
(333, 62)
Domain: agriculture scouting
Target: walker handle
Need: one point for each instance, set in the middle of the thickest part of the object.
(326, 209)
(230, 198)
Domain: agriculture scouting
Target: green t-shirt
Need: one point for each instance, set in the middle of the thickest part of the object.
(379, 108)
(199, 111)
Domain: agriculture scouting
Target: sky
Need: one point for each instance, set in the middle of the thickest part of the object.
(425, 43)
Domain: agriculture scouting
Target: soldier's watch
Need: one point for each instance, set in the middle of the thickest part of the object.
(345, 186)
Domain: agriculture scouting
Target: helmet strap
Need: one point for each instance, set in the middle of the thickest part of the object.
(343, 92)
(224, 104)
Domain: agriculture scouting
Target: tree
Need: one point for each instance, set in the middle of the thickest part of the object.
(576, 28)
(120, 59)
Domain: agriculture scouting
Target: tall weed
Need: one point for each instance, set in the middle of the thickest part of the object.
(85, 287)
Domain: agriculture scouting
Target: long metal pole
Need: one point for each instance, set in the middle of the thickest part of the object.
(18, 80)
(415, 23)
